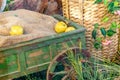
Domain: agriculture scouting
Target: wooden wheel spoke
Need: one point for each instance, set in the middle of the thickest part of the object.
(65, 77)
(61, 59)
(52, 75)
(60, 73)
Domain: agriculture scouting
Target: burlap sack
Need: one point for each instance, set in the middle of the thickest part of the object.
(35, 26)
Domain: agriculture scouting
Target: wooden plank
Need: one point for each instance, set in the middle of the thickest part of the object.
(37, 57)
(21, 61)
(24, 73)
(8, 65)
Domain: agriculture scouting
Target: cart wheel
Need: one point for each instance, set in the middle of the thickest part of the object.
(61, 60)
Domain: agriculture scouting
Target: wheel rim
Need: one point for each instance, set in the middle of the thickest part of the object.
(67, 68)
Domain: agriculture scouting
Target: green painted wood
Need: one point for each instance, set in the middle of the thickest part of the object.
(8, 64)
(38, 56)
(23, 73)
(35, 55)
(21, 61)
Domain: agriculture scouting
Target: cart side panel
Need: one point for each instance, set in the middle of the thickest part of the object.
(66, 42)
(8, 64)
(42, 55)
(37, 57)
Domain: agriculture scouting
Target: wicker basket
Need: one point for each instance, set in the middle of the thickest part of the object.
(86, 13)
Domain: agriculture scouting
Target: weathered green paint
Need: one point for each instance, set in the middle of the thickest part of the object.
(35, 55)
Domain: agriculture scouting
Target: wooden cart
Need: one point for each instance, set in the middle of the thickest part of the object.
(35, 55)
